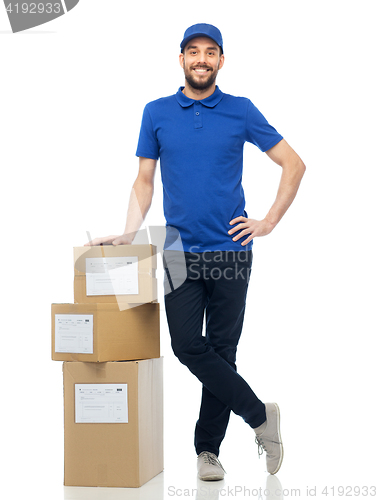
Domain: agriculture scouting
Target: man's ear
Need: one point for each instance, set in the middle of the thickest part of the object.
(221, 61)
(181, 58)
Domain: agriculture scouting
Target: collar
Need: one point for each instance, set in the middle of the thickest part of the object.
(209, 102)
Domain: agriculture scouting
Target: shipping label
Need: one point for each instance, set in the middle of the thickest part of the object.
(101, 403)
(112, 276)
(74, 333)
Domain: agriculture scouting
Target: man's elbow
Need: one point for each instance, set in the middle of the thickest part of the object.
(294, 169)
(296, 165)
(145, 181)
(301, 167)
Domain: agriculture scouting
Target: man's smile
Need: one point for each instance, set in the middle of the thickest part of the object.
(201, 71)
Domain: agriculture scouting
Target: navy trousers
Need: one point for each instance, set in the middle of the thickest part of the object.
(214, 285)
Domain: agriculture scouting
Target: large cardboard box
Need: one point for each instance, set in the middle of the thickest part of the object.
(123, 274)
(113, 422)
(101, 332)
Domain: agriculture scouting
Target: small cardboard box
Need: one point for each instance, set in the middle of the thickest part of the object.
(101, 332)
(113, 423)
(123, 274)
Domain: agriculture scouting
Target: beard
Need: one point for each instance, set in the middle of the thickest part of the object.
(200, 82)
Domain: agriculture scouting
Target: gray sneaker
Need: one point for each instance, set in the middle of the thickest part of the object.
(269, 439)
(209, 467)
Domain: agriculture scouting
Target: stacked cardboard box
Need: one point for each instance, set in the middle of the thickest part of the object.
(109, 342)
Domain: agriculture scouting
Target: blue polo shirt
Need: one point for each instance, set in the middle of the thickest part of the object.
(200, 146)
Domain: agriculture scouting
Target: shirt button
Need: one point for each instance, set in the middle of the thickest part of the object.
(197, 113)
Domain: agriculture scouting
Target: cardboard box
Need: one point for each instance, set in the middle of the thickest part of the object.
(101, 332)
(127, 450)
(123, 274)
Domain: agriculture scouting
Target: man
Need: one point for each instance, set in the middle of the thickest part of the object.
(199, 134)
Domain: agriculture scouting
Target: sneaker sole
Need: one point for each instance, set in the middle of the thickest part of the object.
(211, 478)
(279, 437)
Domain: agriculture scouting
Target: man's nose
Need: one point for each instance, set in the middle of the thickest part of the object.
(202, 58)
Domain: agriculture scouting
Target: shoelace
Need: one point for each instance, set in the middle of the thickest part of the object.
(261, 445)
(211, 459)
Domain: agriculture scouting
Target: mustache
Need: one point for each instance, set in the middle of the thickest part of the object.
(202, 67)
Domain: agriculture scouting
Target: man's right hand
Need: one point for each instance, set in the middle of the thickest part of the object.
(124, 239)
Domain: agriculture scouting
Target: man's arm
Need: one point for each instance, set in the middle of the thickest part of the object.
(293, 169)
(139, 204)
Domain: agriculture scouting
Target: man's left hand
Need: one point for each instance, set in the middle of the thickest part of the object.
(250, 227)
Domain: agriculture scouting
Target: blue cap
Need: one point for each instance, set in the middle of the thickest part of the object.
(202, 29)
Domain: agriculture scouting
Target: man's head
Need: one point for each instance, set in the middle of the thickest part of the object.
(201, 55)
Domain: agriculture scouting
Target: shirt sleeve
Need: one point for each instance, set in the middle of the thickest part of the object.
(147, 145)
(258, 131)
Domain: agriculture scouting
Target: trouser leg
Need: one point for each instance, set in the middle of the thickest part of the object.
(212, 423)
(212, 358)
(226, 291)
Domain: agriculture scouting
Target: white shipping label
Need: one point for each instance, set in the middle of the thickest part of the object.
(101, 403)
(112, 276)
(74, 333)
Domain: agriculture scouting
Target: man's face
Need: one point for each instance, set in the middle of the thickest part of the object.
(201, 62)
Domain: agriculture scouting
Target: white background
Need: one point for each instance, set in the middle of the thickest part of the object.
(72, 95)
